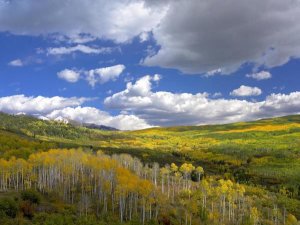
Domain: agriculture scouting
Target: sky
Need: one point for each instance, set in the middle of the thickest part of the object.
(134, 64)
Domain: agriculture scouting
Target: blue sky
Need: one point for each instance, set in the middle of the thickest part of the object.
(149, 68)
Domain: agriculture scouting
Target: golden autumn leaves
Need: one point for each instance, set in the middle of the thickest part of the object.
(123, 185)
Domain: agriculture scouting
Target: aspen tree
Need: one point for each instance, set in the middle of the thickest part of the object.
(186, 169)
(145, 189)
(163, 173)
(199, 171)
(155, 172)
(174, 170)
(254, 215)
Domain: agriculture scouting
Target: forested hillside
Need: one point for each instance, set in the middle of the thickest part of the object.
(251, 173)
(34, 127)
(97, 185)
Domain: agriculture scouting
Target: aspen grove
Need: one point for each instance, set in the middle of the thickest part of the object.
(122, 185)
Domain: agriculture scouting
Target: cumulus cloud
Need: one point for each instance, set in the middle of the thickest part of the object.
(200, 36)
(167, 108)
(145, 109)
(96, 116)
(94, 76)
(262, 75)
(208, 36)
(280, 104)
(103, 75)
(64, 109)
(71, 76)
(117, 20)
(246, 91)
(77, 48)
(37, 105)
(16, 62)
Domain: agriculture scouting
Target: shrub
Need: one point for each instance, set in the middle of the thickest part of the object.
(32, 196)
(8, 207)
(27, 209)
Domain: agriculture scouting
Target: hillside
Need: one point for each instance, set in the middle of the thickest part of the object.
(34, 127)
(264, 154)
(258, 147)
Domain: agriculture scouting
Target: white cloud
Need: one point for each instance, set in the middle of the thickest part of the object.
(218, 35)
(62, 109)
(25, 61)
(157, 77)
(118, 20)
(16, 62)
(262, 75)
(167, 108)
(144, 36)
(194, 36)
(77, 38)
(81, 38)
(77, 48)
(142, 87)
(96, 116)
(213, 72)
(94, 76)
(103, 75)
(246, 91)
(142, 109)
(71, 76)
(37, 105)
(217, 95)
(200, 36)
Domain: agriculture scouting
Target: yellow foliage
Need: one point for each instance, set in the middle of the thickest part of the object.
(263, 128)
